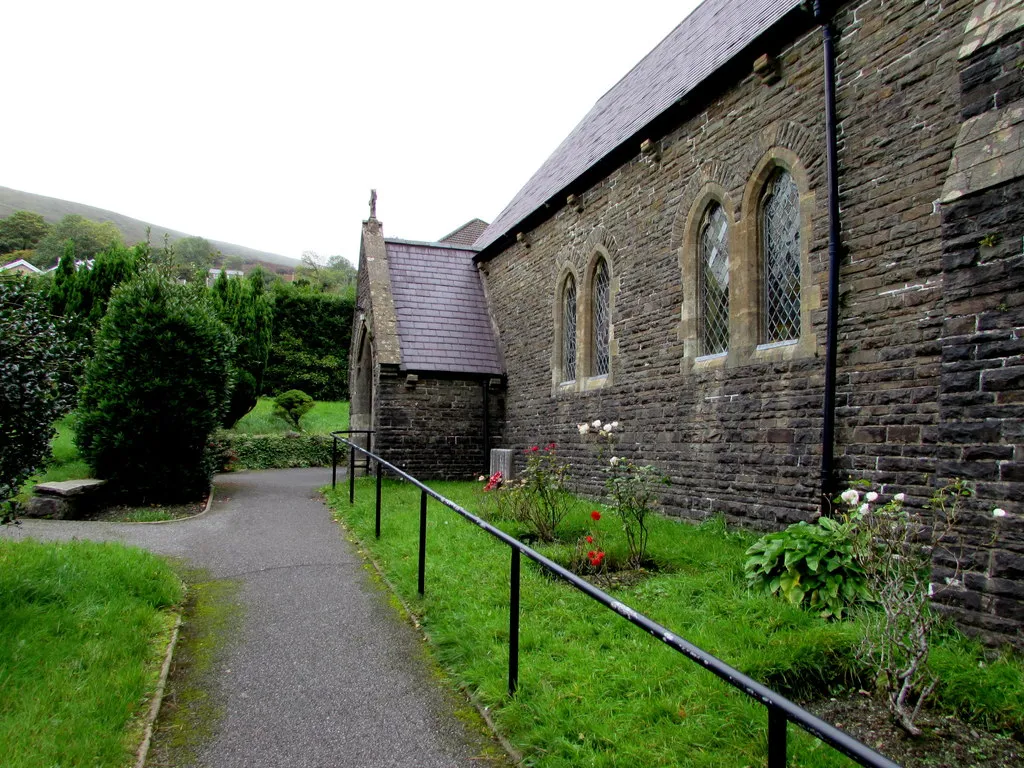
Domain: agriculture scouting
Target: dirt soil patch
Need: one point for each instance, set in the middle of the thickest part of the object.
(947, 740)
(148, 513)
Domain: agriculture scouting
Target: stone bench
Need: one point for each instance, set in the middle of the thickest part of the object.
(64, 500)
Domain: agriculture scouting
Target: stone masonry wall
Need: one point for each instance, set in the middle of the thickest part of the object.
(433, 429)
(741, 435)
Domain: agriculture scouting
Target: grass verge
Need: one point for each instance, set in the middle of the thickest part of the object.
(83, 629)
(596, 691)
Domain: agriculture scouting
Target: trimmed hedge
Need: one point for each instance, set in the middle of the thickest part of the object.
(273, 451)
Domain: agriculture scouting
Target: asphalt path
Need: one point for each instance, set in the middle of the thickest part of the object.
(324, 673)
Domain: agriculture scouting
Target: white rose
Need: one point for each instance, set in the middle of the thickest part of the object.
(871, 496)
(997, 512)
(613, 425)
(583, 428)
(614, 461)
(863, 509)
(900, 497)
(596, 424)
(850, 496)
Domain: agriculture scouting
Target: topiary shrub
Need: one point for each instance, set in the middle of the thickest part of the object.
(155, 390)
(293, 405)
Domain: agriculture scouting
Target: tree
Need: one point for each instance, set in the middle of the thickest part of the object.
(38, 364)
(89, 237)
(334, 275)
(311, 339)
(246, 309)
(21, 231)
(90, 290)
(155, 390)
(63, 280)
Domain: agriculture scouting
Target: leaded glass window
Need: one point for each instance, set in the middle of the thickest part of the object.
(602, 317)
(714, 282)
(780, 232)
(569, 329)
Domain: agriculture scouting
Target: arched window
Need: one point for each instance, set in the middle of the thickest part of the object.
(601, 326)
(780, 248)
(713, 263)
(569, 329)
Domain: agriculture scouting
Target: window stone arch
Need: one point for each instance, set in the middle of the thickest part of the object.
(777, 288)
(710, 201)
(565, 357)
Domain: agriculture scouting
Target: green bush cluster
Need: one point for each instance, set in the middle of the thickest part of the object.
(236, 451)
(155, 390)
(310, 344)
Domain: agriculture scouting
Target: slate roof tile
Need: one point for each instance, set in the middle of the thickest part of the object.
(712, 34)
(443, 322)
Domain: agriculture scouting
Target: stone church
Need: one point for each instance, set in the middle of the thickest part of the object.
(784, 251)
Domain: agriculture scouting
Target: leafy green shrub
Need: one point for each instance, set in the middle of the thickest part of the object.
(155, 390)
(37, 367)
(293, 405)
(272, 451)
(812, 564)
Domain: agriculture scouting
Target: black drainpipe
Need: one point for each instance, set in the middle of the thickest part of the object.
(828, 473)
(487, 424)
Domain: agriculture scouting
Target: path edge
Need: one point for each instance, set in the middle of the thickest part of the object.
(158, 696)
(514, 754)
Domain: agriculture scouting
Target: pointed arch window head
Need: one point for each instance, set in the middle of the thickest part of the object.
(569, 329)
(780, 233)
(602, 318)
(713, 265)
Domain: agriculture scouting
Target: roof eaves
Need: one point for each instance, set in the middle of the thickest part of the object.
(656, 128)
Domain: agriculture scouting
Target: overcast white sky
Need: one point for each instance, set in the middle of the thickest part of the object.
(267, 124)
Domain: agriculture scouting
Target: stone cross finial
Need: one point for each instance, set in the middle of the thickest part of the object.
(373, 203)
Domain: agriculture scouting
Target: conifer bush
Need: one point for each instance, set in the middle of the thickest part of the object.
(155, 390)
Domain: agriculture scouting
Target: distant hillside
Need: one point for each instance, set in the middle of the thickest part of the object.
(53, 209)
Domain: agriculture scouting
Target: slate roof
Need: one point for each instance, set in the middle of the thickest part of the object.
(467, 234)
(709, 37)
(443, 323)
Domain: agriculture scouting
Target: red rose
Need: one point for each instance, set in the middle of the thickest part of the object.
(590, 539)
(595, 515)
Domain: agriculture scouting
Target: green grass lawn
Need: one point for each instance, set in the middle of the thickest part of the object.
(83, 629)
(325, 417)
(597, 691)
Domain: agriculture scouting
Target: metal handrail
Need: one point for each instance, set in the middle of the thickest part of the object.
(780, 709)
(351, 458)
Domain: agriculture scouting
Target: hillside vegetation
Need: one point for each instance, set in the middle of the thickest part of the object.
(53, 209)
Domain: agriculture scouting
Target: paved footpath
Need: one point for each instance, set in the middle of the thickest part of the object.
(324, 674)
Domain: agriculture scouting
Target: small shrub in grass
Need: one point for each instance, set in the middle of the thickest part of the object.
(812, 564)
(538, 498)
(630, 487)
(292, 406)
(896, 548)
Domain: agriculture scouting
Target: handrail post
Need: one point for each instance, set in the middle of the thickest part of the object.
(377, 524)
(351, 474)
(776, 737)
(423, 540)
(334, 462)
(513, 625)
